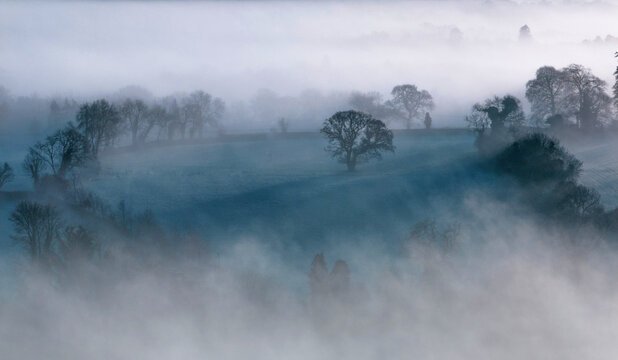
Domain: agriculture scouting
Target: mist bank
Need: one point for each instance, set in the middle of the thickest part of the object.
(459, 52)
(523, 293)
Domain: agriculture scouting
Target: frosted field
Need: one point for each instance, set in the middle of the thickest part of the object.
(290, 189)
(288, 193)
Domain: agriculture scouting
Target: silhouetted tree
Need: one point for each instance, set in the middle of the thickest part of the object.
(503, 117)
(546, 93)
(99, 122)
(324, 285)
(586, 97)
(577, 201)
(34, 165)
(355, 137)
(410, 102)
(36, 228)
(6, 174)
(173, 122)
(201, 108)
(61, 152)
(318, 276)
(505, 114)
(134, 113)
(156, 116)
(478, 121)
(427, 121)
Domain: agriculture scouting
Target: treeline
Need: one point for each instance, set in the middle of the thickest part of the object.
(148, 118)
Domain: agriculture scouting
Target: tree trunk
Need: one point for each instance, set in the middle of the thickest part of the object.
(351, 162)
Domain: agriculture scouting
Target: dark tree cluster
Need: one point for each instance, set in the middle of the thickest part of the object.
(101, 124)
(40, 230)
(549, 175)
(105, 123)
(355, 137)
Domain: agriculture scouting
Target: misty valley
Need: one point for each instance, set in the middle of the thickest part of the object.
(395, 216)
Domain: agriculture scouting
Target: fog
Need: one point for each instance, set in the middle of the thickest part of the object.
(460, 51)
(239, 179)
(524, 294)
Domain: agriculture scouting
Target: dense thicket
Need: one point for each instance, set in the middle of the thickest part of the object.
(549, 176)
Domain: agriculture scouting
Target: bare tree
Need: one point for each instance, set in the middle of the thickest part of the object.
(356, 137)
(73, 149)
(410, 102)
(586, 97)
(99, 122)
(478, 120)
(134, 114)
(6, 174)
(156, 116)
(36, 228)
(61, 152)
(200, 109)
(172, 122)
(34, 165)
(583, 201)
(546, 93)
(318, 276)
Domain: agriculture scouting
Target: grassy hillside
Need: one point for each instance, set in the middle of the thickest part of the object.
(288, 193)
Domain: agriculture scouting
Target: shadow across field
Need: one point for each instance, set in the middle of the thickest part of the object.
(288, 191)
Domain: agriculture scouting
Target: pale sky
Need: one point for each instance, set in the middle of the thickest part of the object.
(460, 51)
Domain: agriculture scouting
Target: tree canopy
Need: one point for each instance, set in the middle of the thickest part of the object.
(573, 93)
(99, 122)
(410, 102)
(355, 137)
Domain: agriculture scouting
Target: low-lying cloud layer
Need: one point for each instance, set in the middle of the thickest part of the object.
(524, 295)
(459, 51)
